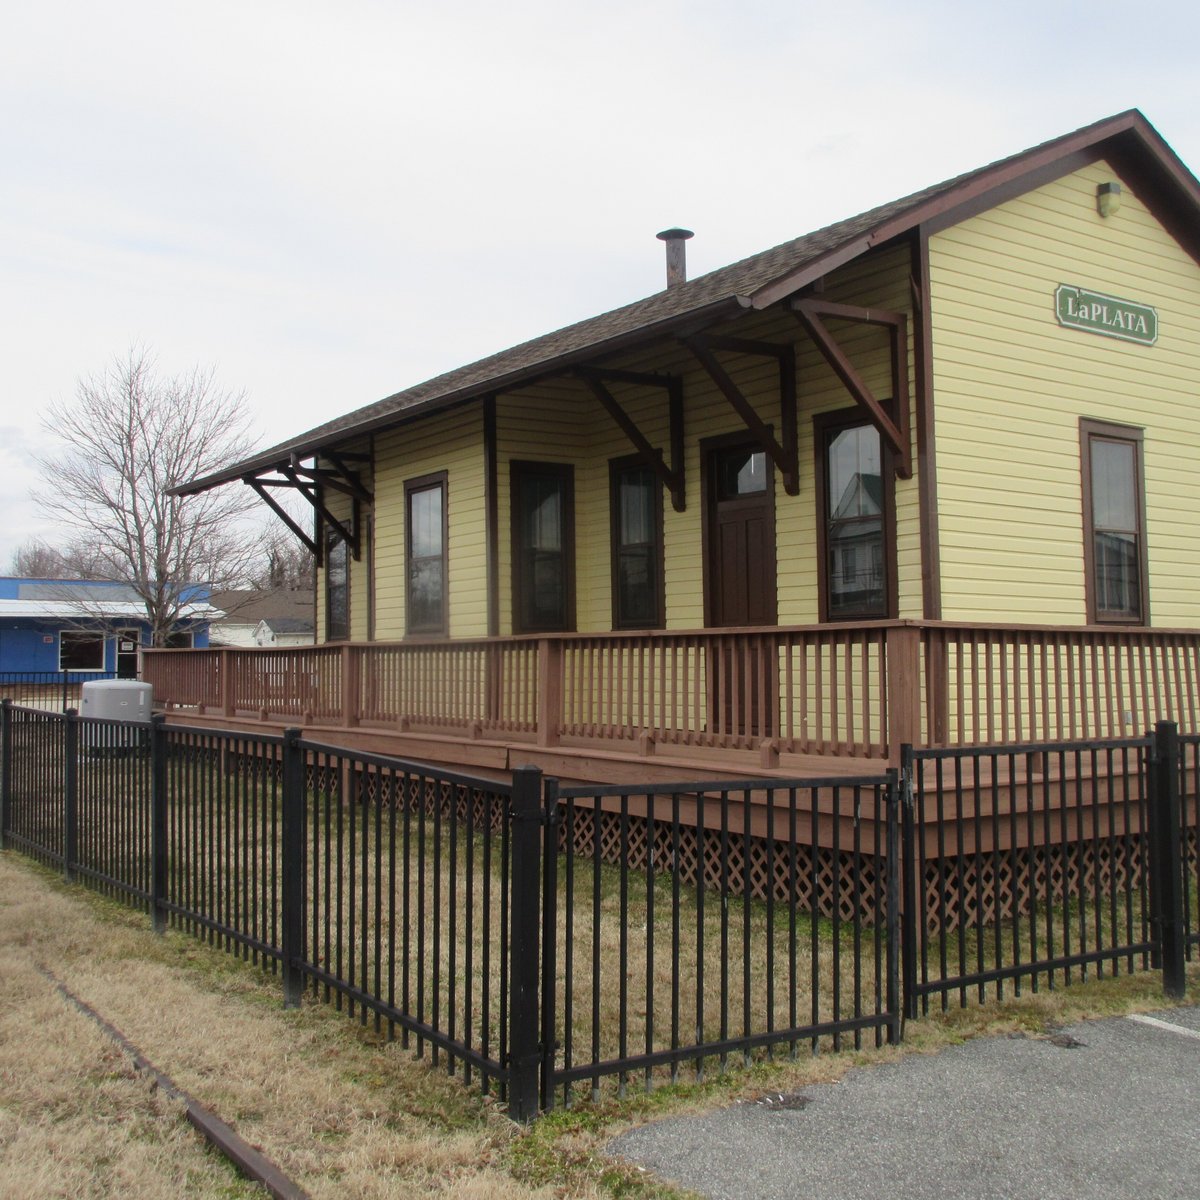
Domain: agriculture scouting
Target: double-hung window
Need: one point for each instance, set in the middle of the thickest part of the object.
(637, 545)
(337, 587)
(1114, 523)
(425, 549)
(854, 481)
(543, 547)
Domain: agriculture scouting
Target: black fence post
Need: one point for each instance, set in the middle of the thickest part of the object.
(549, 940)
(70, 793)
(892, 800)
(1166, 860)
(292, 884)
(908, 920)
(158, 822)
(524, 1058)
(6, 767)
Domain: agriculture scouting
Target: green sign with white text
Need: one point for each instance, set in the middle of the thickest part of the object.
(1094, 312)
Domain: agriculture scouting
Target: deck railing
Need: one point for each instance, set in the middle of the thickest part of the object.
(858, 689)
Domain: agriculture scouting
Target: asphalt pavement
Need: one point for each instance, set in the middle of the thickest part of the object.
(1103, 1109)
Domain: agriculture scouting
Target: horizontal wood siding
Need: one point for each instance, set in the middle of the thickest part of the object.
(450, 442)
(1011, 386)
(878, 281)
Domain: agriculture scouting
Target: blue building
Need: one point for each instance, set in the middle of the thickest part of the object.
(85, 628)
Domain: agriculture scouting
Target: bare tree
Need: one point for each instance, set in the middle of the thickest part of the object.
(35, 558)
(126, 440)
(283, 563)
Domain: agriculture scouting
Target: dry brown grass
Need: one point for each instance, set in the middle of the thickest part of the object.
(340, 1113)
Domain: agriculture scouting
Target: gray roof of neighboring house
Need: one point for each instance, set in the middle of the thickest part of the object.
(249, 606)
(289, 624)
(754, 282)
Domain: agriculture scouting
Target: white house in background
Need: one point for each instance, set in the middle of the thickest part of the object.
(285, 631)
(246, 611)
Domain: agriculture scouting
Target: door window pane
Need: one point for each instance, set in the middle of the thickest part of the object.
(741, 473)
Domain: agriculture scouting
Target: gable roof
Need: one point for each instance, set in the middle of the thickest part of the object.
(249, 606)
(1129, 142)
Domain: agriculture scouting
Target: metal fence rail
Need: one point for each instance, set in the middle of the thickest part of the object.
(1189, 838)
(53, 690)
(797, 942)
(1039, 864)
(549, 941)
(408, 885)
(35, 771)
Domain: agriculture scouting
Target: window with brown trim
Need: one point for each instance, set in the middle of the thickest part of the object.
(636, 526)
(426, 538)
(337, 587)
(856, 529)
(543, 501)
(1114, 523)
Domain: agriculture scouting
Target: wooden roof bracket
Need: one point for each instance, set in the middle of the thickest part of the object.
(310, 492)
(810, 312)
(786, 456)
(341, 478)
(672, 477)
(260, 486)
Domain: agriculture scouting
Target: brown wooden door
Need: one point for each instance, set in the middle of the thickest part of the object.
(740, 562)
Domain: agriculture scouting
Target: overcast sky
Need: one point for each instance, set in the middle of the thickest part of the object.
(329, 202)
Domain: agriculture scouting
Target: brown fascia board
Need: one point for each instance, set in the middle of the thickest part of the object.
(315, 441)
(1135, 149)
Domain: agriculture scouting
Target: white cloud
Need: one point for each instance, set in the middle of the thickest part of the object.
(332, 202)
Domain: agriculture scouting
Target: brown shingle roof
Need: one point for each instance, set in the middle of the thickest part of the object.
(753, 282)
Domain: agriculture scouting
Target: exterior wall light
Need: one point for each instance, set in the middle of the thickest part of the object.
(1108, 199)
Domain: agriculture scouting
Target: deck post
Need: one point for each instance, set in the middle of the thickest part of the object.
(228, 691)
(550, 691)
(904, 689)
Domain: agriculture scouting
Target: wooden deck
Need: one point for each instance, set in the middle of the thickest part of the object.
(831, 698)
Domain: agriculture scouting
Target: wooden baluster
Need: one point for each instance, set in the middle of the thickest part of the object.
(549, 691)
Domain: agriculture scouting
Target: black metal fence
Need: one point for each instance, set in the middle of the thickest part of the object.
(552, 941)
(747, 916)
(47, 689)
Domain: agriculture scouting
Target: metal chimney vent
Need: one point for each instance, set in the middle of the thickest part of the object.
(676, 240)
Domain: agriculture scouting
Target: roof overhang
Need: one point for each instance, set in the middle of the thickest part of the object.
(281, 457)
(1131, 145)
